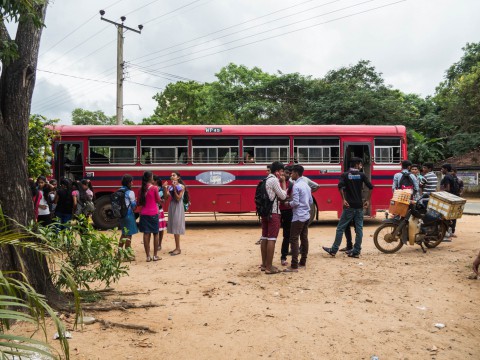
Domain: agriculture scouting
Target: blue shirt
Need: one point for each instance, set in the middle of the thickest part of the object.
(301, 200)
(398, 176)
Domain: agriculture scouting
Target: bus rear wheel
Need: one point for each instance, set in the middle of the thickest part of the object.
(102, 216)
(313, 213)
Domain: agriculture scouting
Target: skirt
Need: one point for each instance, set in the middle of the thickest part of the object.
(162, 223)
(148, 224)
(128, 225)
(176, 218)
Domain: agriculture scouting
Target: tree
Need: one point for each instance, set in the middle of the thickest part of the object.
(87, 117)
(19, 55)
(41, 133)
(458, 99)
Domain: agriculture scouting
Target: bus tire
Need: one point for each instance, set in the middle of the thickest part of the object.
(313, 213)
(102, 216)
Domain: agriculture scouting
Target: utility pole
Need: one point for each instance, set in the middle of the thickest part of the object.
(120, 39)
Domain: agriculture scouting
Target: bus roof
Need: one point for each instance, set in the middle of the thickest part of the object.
(226, 130)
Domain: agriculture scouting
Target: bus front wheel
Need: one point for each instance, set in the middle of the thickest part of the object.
(102, 216)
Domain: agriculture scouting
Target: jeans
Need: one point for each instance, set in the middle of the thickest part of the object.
(286, 224)
(348, 235)
(348, 215)
(299, 228)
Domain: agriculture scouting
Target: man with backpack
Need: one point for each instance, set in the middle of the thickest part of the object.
(405, 180)
(267, 196)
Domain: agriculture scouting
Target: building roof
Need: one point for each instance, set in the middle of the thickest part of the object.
(470, 160)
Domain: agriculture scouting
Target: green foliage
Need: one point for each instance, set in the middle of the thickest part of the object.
(350, 95)
(91, 254)
(20, 302)
(87, 117)
(41, 133)
(422, 149)
(15, 11)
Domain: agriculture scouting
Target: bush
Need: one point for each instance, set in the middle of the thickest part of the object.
(92, 255)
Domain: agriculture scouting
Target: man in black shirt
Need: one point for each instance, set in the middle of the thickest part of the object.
(350, 186)
(448, 184)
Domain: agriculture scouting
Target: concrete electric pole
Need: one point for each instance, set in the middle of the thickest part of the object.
(120, 30)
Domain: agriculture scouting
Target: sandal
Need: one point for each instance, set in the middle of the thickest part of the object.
(175, 252)
(272, 271)
(284, 263)
(290, 270)
(261, 267)
(149, 259)
(156, 258)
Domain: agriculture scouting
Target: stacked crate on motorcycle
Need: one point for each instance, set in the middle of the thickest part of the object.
(400, 202)
(448, 205)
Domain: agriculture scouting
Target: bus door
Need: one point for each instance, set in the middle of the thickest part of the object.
(362, 151)
(69, 160)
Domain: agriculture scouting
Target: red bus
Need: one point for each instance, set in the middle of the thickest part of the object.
(222, 164)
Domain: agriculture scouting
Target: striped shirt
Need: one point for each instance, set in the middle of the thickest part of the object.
(429, 182)
(275, 192)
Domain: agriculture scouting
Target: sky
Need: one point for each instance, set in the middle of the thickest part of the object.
(410, 42)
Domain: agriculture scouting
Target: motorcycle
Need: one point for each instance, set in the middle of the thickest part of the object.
(416, 226)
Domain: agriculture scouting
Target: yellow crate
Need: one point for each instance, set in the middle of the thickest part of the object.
(448, 205)
(398, 208)
(402, 196)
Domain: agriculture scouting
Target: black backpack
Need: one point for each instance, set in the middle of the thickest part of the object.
(119, 207)
(186, 200)
(263, 204)
(456, 186)
(406, 182)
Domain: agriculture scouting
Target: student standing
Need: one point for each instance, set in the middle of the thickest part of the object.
(429, 181)
(162, 223)
(149, 199)
(176, 210)
(64, 201)
(81, 197)
(128, 224)
(276, 190)
(44, 216)
(350, 186)
(286, 214)
(300, 204)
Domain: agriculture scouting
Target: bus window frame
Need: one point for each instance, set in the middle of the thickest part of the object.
(134, 158)
(230, 153)
(184, 147)
(391, 157)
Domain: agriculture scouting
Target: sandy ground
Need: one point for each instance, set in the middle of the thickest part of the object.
(216, 304)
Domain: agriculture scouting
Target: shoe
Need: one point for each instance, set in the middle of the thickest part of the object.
(345, 249)
(284, 263)
(302, 266)
(353, 255)
(329, 251)
(156, 258)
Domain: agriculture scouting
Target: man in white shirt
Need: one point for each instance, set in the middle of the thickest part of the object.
(276, 190)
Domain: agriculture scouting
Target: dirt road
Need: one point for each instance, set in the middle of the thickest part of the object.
(216, 304)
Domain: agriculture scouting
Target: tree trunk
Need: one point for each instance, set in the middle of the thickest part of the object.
(16, 89)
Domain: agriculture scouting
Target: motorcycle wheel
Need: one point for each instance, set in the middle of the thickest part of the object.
(384, 239)
(442, 230)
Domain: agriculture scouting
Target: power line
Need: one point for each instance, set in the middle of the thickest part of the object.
(259, 33)
(158, 73)
(170, 12)
(285, 33)
(75, 77)
(77, 28)
(141, 7)
(221, 30)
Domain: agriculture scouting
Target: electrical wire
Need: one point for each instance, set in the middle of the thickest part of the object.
(170, 12)
(232, 26)
(77, 28)
(283, 34)
(259, 33)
